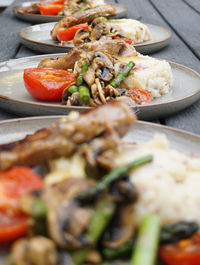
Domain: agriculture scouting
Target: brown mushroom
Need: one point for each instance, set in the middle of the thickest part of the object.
(81, 36)
(67, 220)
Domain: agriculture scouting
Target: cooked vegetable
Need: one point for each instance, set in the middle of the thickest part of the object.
(140, 96)
(72, 89)
(83, 8)
(47, 84)
(61, 13)
(122, 74)
(51, 9)
(184, 252)
(13, 185)
(79, 80)
(112, 176)
(38, 209)
(69, 33)
(84, 93)
(145, 249)
(118, 253)
(103, 213)
(172, 233)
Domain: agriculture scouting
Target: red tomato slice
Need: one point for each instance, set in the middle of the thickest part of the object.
(185, 252)
(140, 96)
(50, 10)
(68, 34)
(129, 41)
(12, 228)
(47, 84)
(58, 2)
(14, 184)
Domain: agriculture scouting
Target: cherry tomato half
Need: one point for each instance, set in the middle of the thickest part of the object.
(51, 10)
(14, 184)
(47, 84)
(68, 34)
(184, 252)
(140, 96)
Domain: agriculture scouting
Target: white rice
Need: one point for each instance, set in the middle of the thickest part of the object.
(169, 186)
(133, 29)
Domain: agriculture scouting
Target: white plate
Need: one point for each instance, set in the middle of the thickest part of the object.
(186, 143)
(38, 38)
(14, 97)
(121, 11)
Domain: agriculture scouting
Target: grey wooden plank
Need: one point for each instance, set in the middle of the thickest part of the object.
(195, 4)
(24, 52)
(177, 51)
(183, 19)
(10, 26)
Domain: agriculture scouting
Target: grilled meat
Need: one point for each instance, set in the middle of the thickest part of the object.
(62, 139)
(66, 62)
(82, 17)
(113, 47)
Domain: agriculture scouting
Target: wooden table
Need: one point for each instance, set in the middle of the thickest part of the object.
(182, 17)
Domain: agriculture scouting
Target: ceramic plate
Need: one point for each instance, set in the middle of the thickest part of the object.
(14, 97)
(139, 132)
(38, 38)
(121, 11)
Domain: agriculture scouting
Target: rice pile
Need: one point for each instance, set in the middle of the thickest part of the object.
(169, 186)
(133, 29)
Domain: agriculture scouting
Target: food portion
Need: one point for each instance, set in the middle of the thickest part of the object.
(104, 201)
(60, 7)
(99, 27)
(104, 70)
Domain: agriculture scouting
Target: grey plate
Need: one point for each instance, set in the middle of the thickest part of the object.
(38, 38)
(121, 11)
(139, 132)
(14, 97)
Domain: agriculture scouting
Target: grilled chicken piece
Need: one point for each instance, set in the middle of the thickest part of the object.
(112, 47)
(66, 62)
(82, 17)
(63, 138)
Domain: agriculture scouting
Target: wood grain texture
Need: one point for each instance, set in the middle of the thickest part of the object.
(183, 19)
(195, 4)
(10, 26)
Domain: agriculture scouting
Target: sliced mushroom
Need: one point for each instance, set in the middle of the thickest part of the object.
(121, 229)
(105, 58)
(89, 76)
(74, 100)
(105, 74)
(80, 37)
(111, 91)
(99, 30)
(67, 220)
(100, 90)
(35, 251)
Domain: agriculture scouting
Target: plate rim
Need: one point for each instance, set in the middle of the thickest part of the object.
(82, 108)
(151, 124)
(139, 45)
(17, 6)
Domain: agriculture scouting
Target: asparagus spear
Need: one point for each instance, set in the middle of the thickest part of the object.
(84, 93)
(122, 74)
(79, 80)
(101, 218)
(113, 175)
(72, 89)
(145, 249)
